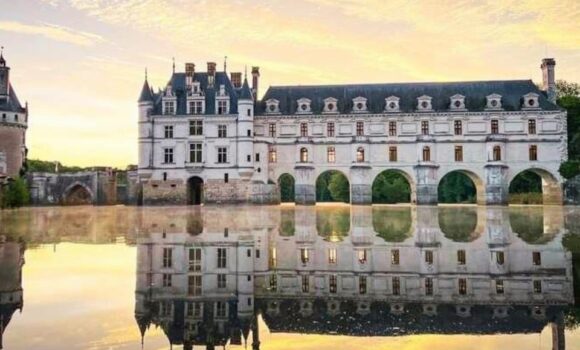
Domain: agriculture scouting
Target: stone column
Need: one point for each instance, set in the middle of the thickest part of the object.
(552, 193)
(496, 185)
(360, 184)
(426, 174)
(304, 187)
(558, 333)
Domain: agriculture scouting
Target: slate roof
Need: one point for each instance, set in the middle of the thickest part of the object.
(475, 92)
(146, 93)
(246, 93)
(11, 104)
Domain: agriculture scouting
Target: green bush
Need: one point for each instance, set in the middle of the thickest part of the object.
(15, 194)
(569, 169)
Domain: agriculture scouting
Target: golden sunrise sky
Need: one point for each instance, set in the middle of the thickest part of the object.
(80, 63)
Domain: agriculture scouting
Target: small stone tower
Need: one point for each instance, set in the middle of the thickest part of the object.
(549, 78)
(13, 124)
(246, 131)
(145, 127)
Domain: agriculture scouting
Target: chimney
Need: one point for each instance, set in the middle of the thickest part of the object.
(189, 71)
(236, 78)
(255, 77)
(549, 78)
(211, 68)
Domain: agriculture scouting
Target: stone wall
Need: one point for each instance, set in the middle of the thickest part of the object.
(172, 192)
(235, 191)
(12, 145)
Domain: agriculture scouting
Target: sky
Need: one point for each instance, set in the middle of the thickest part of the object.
(80, 63)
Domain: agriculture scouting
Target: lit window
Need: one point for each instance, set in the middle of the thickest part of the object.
(304, 255)
(362, 256)
(459, 153)
(273, 283)
(426, 154)
(496, 153)
(272, 155)
(392, 154)
(360, 155)
(499, 287)
(332, 256)
(330, 155)
(533, 152)
(273, 257)
(395, 257)
(303, 155)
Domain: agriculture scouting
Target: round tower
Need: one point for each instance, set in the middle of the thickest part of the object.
(245, 132)
(145, 104)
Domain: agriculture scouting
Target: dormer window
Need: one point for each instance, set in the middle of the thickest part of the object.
(493, 101)
(222, 91)
(330, 105)
(195, 88)
(222, 106)
(304, 105)
(531, 100)
(169, 106)
(457, 102)
(272, 106)
(424, 103)
(359, 104)
(392, 104)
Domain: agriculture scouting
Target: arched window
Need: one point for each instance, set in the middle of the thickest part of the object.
(360, 155)
(426, 154)
(303, 155)
(496, 153)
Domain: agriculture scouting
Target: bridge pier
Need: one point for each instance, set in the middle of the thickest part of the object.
(360, 188)
(304, 187)
(426, 174)
(496, 184)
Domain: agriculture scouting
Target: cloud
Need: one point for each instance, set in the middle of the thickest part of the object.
(52, 32)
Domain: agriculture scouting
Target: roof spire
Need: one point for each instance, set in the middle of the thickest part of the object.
(145, 73)
(225, 63)
(173, 58)
(245, 71)
(2, 60)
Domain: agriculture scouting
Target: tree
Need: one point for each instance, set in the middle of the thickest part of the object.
(569, 169)
(286, 183)
(456, 187)
(15, 194)
(564, 88)
(339, 187)
(391, 187)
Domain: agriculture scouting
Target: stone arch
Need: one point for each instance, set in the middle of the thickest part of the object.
(412, 193)
(551, 187)
(286, 184)
(476, 181)
(460, 224)
(195, 190)
(342, 190)
(78, 194)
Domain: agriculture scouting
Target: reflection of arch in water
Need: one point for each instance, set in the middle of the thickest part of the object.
(333, 223)
(551, 187)
(528, 225)
(324, 183)
(287, 222)
(461, 224)
(286, 185)
(386, 187)
(393, 224)
(194, 222)
(476, 182)
(78, 194)
(195, 190)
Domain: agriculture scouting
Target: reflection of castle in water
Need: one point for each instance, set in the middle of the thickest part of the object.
(11, 261)
(206, 276)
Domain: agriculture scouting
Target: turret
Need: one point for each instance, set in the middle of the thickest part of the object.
(4, 77)
(145, 103)
(246, 131)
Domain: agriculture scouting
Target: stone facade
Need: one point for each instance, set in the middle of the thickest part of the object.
(205, 128)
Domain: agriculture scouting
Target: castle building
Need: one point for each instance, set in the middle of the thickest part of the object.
(13, 125)
(205, 137)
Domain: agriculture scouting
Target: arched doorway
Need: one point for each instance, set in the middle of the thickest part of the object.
(535, 186)
(461, 187)
(78, 195)
(392, 186)
(286, 184)
(332, 186)
(194, 190)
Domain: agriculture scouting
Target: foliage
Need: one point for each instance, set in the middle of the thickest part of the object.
(332, 186)
(391, 187)
(333, 222)
(36, 165)
(458, 224)
(526, 198)
(287, 223)
(286, 183)
(526, 182)
(392, 224)
(564, 89)
(15, 194)
(456, 187)
(569, 169)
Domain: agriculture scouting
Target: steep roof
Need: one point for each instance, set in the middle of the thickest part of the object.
(145, 95)
(11, 104)
(246, 93)
(475, 92)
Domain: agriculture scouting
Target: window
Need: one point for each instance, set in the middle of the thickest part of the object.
(532, 126)
(221, 281)
(428, 286)
(226, 177)
(461, 258)
(222, 107)
(496, 153)
(393, 128)
(392, 154)
(222, 131)
(168, 131)
(362, 284)
(167, 257)
(462, 284)
(220, 309)
(537, 286)
(429, 257)
(195, 127)
(194, 309)
(304, 255)
(169, 107)
(533, 152)
(222, 155)
(459, 153)
(195, 259)
(195, 107)
(168, 155)
(249, 133)
(537, 258)
(330, 155)
(305, 284)
(273, 282)
(257, 157)
(303, 129)
(248, 253)
(360, 128)
(195, 153)
(360, 155)
(499, 287)
(272, 129)
(303, 155)
(273, 257)
(395, 257)
(330, 129)
(425, 127)
(396, 286)
(494, 126)
(500, 258)
(458, 127)
(167, 282)
(332, 256)
(165, 308)
(257, 253)
(362, 256)
(272, 155)
(426, 154)
(332, 283)
(221, 258)
(194, 285)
